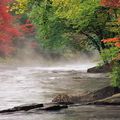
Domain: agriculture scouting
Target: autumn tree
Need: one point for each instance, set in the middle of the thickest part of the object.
(8, 31)
(111, 3)
(113, 53)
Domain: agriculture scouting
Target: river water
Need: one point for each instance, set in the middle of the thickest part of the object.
(26, 85)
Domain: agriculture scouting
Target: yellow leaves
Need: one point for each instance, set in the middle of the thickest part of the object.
(67, 8)
(19, 6)
(59, 2)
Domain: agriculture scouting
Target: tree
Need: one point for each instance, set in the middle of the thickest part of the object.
(86, 17)
(7, 30)
(111, 3)
(114, 42)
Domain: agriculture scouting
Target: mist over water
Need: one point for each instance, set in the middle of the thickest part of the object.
(32, 78)
(66, 62)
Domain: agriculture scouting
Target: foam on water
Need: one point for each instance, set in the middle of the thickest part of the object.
(67, 67)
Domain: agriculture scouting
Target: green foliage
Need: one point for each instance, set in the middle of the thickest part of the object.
(113, 25)
(115, 76)
(51, 32)
(77, 12)
(56, 20)
(108, 55)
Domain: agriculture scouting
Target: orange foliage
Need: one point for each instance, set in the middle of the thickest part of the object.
(116, 41)
(111, 40)
(111, 3)
(117, 44)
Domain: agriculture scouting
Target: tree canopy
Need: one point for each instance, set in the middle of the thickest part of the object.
(8, 31)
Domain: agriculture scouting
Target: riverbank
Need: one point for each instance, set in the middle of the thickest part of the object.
(107, 95)
(100, 69)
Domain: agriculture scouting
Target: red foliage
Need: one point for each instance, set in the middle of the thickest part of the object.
(111, 3)
(7, 30)
(116, 41)
(111, 40)
(117, 44)
(27, 27)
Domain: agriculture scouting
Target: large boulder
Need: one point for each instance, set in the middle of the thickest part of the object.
(100, 69)
(113, 100)
(62, 99)
(86, 98)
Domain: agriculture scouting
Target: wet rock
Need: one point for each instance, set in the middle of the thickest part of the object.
(99, 94)
(22, 108)
(53, 107)
(113, 100)
(7, 111)
(28, 107)
(62, 99)
(87, 97)
(37, 107)
(100, 69)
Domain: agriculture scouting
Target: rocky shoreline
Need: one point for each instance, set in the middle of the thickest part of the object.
(101, 69)
(90, 98)
(105, 96)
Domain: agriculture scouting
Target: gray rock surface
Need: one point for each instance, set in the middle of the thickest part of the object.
(100, 69)
(113, 100)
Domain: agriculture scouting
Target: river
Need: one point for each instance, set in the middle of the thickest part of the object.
(26, 85)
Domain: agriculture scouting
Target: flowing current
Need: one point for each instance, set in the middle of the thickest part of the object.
(26, 85)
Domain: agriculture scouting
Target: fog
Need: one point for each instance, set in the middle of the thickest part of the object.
(28, 57)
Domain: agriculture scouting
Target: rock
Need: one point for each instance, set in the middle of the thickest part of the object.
(7, 111)
(86, 98)
(113, 100)
(100, 69)
(53, 107)
(24, 108)
(28, 107)
(99, 94)
(62, 99)
(46, 107)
